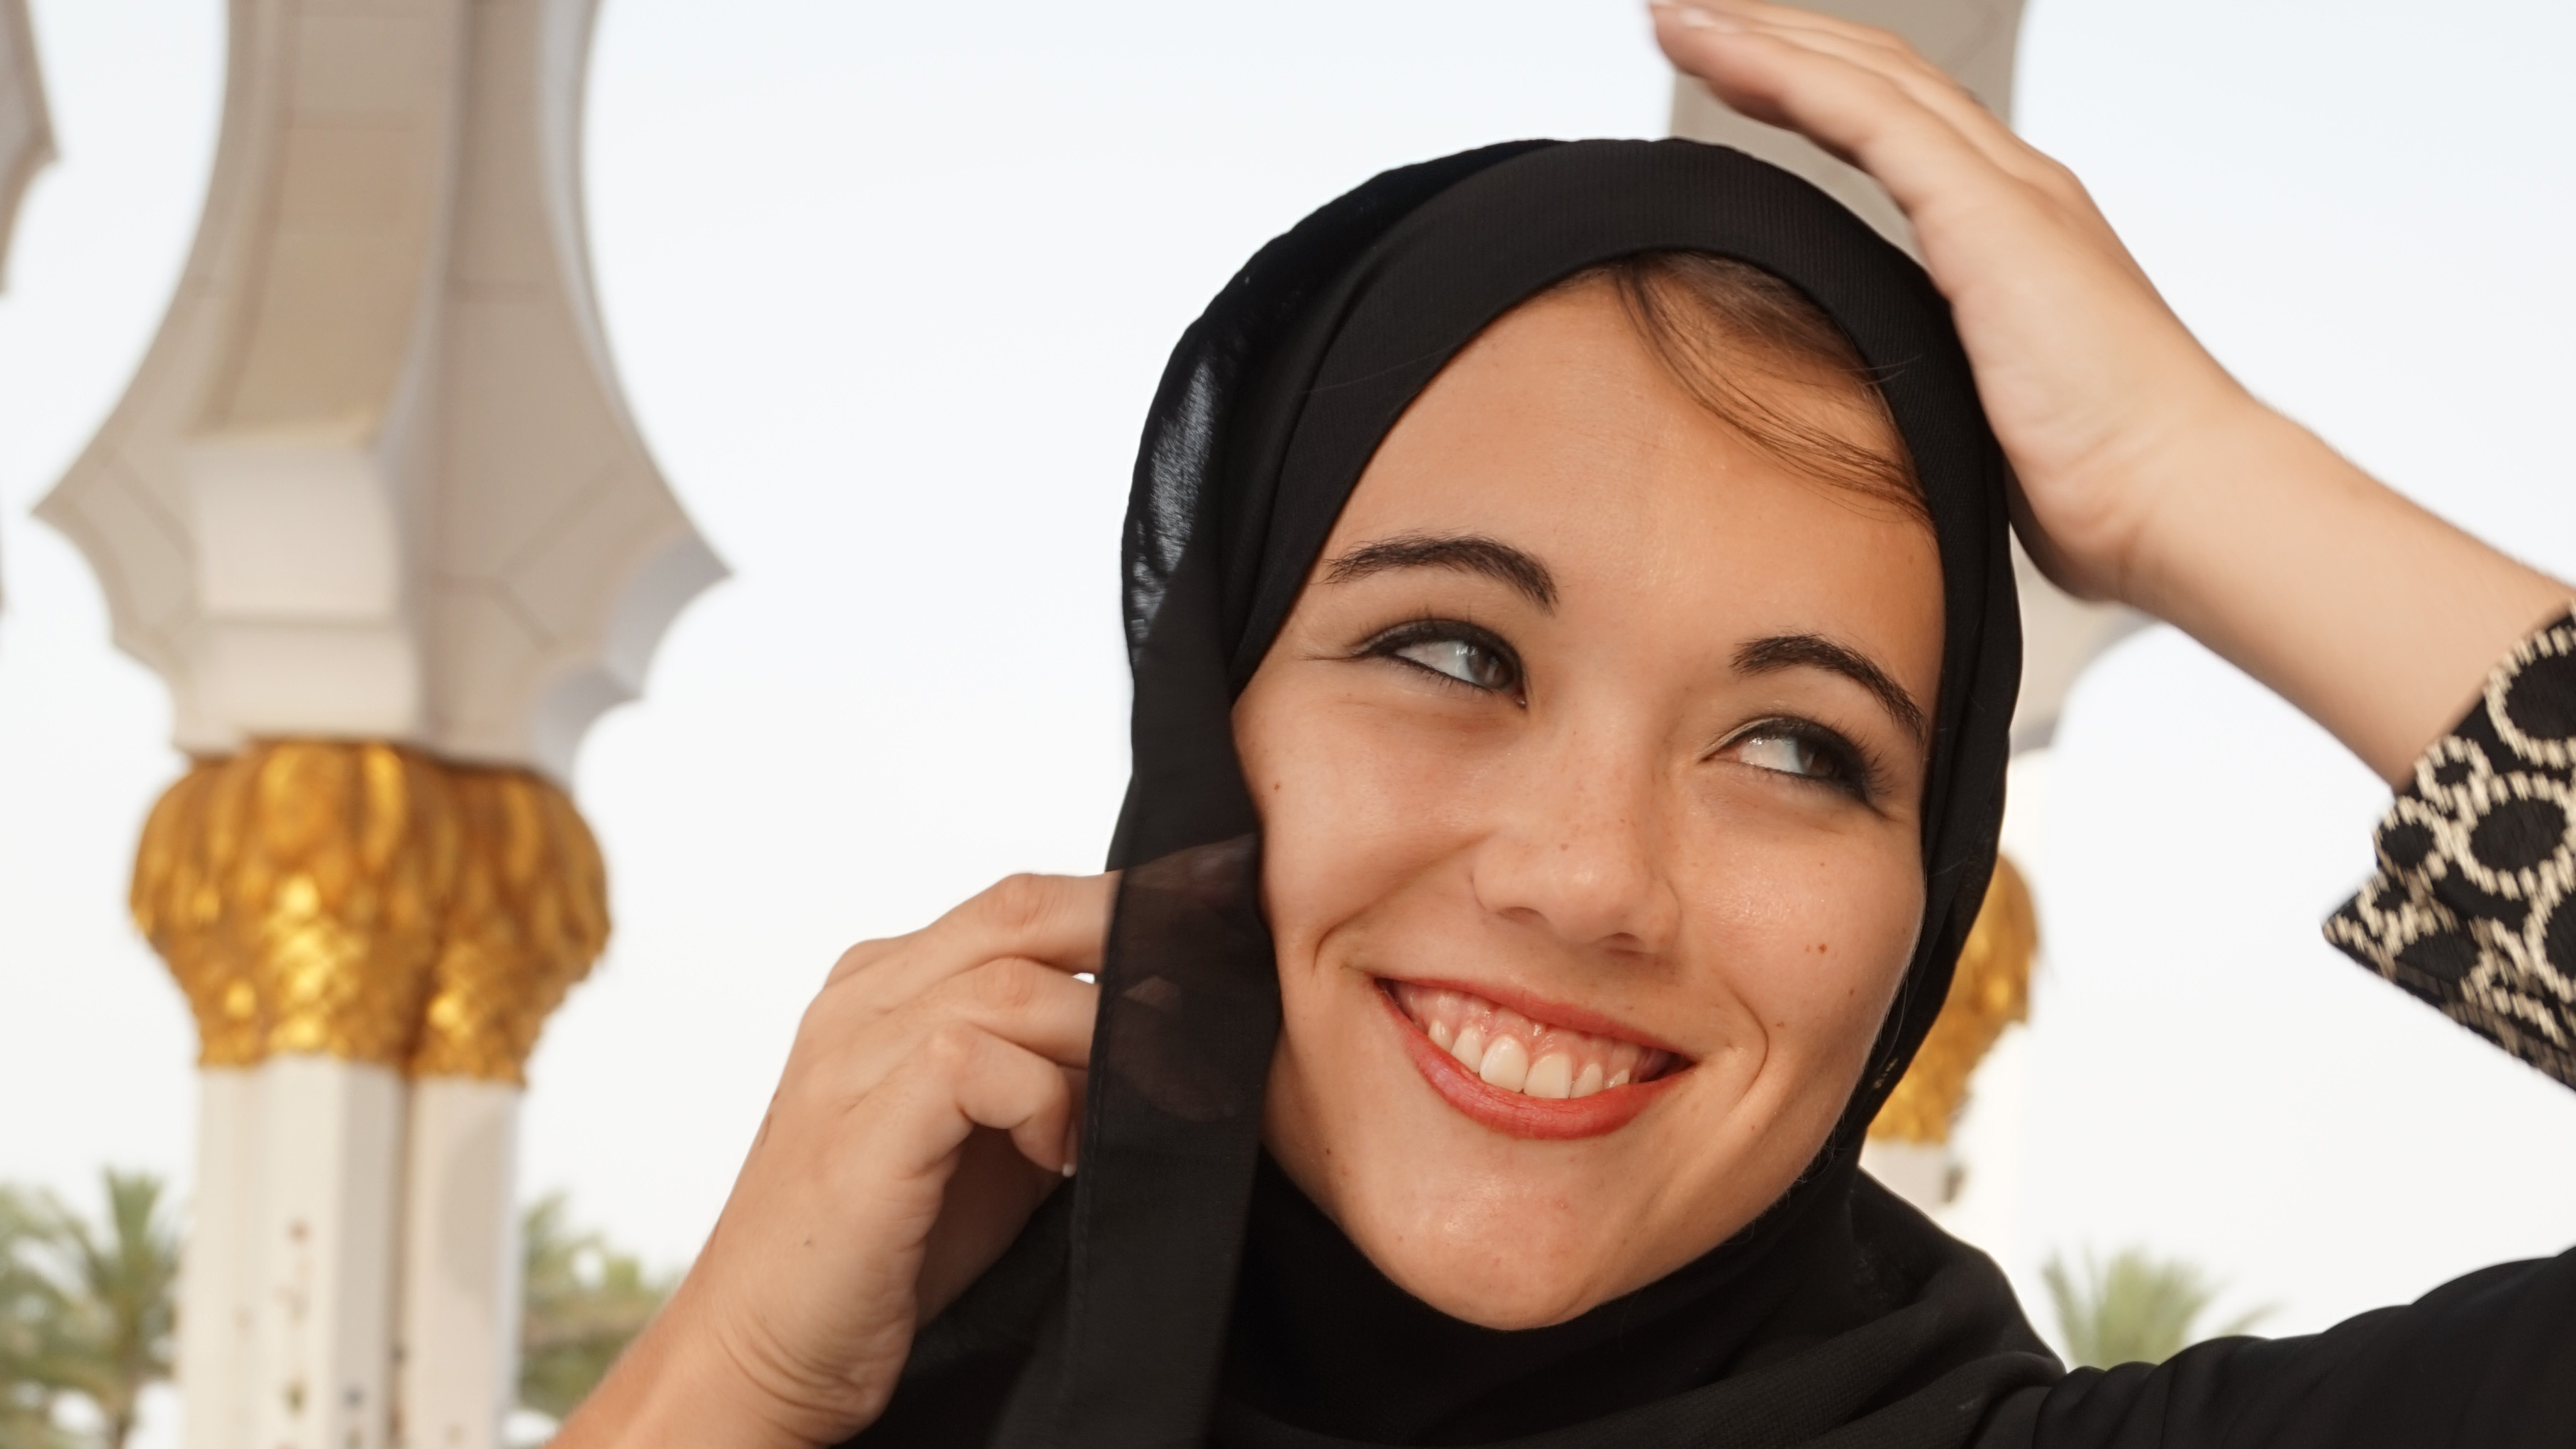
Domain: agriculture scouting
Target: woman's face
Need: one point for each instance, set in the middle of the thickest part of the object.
(1589, 766)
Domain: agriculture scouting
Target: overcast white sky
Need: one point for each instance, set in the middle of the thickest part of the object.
(890, 286)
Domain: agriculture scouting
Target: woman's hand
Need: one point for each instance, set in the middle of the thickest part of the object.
(2085, 373)
(931, 1102)
(2147, 474)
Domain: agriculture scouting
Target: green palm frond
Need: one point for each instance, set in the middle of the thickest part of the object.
(585, 1301)
(2137, 1308)
(30, 1305)
(85, 1309)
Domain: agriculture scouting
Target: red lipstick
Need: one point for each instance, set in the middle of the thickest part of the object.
(1513, 1113)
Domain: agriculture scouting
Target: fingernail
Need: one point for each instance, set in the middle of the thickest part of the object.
(1693, 18)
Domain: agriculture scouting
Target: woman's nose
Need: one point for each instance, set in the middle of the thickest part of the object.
(1578, 848)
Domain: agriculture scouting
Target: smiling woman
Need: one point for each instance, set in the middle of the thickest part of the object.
(1590, 736)
(1574, 639)
(1608, 792)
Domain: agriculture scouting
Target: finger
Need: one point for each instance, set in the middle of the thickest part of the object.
(1914, 79)
(1728, 47)
(1062, 921)
(1928, 86)
(1884, 49)
(847, 1047)
(1860, 115)
(1866, 114)
(1059, 919)
(960, 1078)
(1028, 1002)
(862, 956)
(987, 1200)
(1887, 54)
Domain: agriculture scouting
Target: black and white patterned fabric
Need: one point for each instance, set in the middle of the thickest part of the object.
(2470, 908)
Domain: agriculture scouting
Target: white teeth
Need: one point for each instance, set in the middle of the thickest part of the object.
(1510, 1052)
(1550, 1076)
(1469, 1048)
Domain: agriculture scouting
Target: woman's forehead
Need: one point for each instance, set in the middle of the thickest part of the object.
(1558, 436)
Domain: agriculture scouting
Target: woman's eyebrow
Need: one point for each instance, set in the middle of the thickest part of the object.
(1468, 552)
(1790, 651)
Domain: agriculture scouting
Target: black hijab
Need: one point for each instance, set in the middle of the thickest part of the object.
(1130, 1312)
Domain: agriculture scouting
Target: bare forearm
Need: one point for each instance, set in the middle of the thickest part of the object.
(2373, 616)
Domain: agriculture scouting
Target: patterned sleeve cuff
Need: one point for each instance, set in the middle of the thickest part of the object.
(2469, 908)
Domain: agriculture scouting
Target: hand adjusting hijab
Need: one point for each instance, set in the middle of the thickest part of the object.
(1839, 1314)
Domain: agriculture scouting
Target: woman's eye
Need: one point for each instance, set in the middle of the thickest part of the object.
(1462, 660)
(1793, 752)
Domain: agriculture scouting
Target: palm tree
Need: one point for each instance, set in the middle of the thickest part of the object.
(118, 1338)
(2135, 1309)
(89, 1306)
(87, 1310)
(30, 1305)
(584, 1300)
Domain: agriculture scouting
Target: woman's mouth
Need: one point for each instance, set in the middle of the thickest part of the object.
(1522, 1075)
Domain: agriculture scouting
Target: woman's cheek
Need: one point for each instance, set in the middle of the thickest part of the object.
(1844, 978)
(1353, 800)
(1822, 928)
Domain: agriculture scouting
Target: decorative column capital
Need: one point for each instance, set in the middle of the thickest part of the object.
(528, 917)
(375, 478)
(372, 903)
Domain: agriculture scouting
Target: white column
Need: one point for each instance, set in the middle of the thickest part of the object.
(375, 482)
(459, 1350)
(26, 128)
(1925, 1174)
(329, 1154)
(218, 1320)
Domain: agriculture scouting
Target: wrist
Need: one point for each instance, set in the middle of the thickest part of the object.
(2226, 462)
(679, 1385)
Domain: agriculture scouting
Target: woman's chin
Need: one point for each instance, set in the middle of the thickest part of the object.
(1501, 1244)
(1502, 1228)
(1495, 1281)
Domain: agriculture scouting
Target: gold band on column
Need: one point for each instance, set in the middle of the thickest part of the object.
(1989, 991)
(529, 915)
(369, 902)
